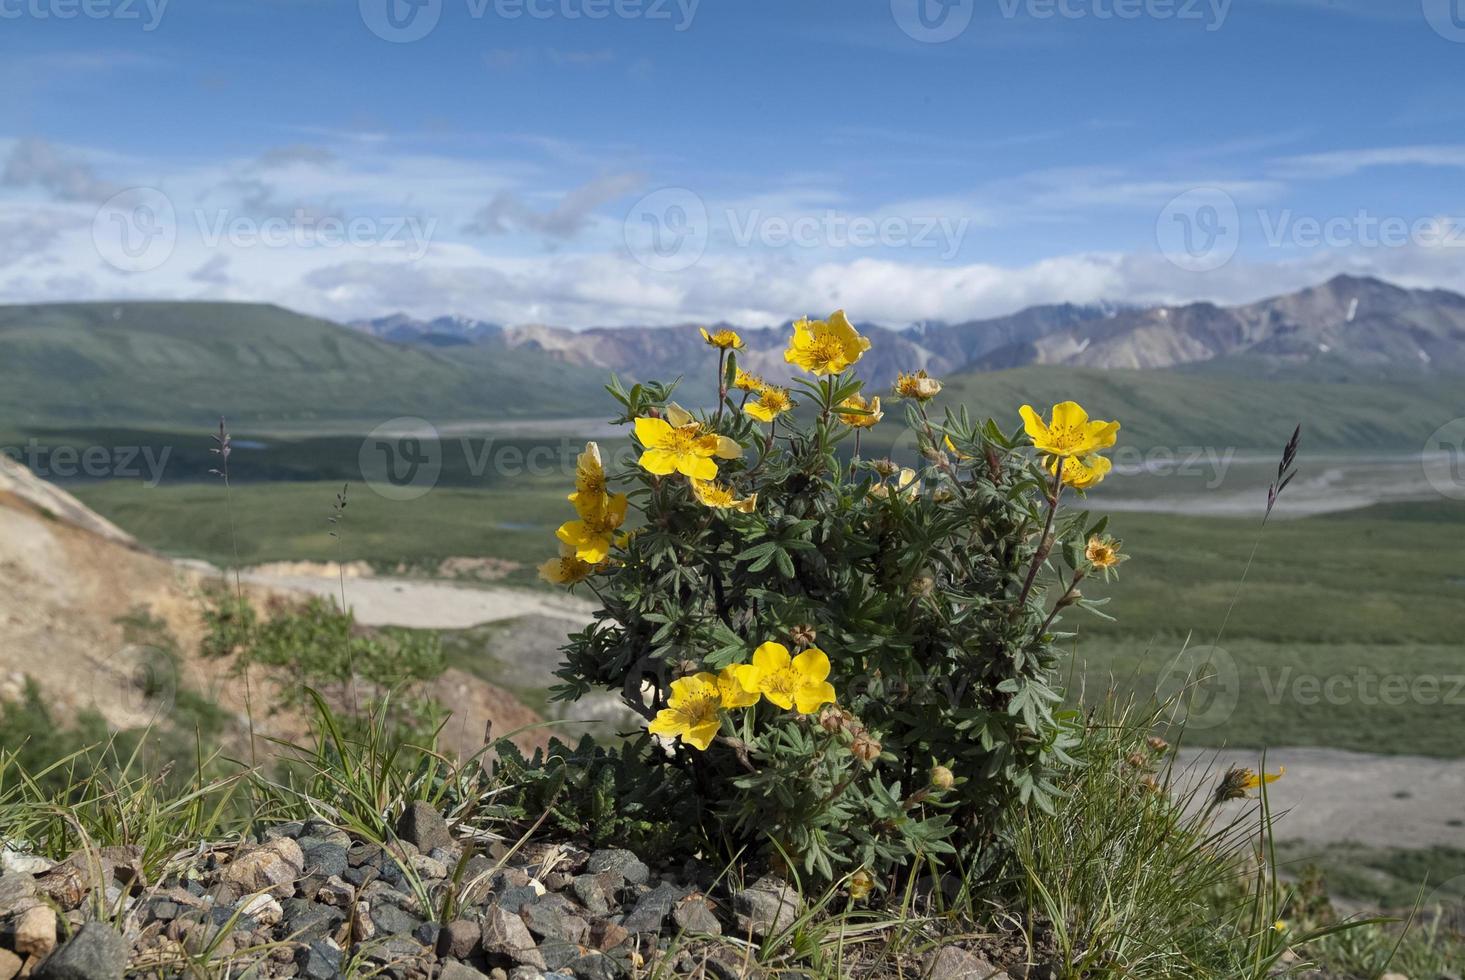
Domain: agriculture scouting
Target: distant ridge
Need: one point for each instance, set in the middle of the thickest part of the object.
(1351, 326)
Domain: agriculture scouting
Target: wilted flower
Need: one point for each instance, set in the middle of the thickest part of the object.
(908, 485)
(722, 339)
(1070, 433)
(803, 635)
(865, 748)
(920, 386)
(860, 885)
(825, 346)
(1103, 552)
(834, 719)
(566, 569)
(1157, 744)
(885, 467)
(1239, 780)
(743, 381)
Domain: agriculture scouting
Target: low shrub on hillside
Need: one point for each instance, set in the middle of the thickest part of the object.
(850, 661)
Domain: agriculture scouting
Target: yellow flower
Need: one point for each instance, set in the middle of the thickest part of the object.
(908, 485)
(589, 478)
(727, 448)
(951, 447)
(692, 711)
(825, 346)
(684, 449)
(566, 569)
(789, 682)
(771, 403)
(1082, 472)
(591, 536)
(720, 497)
(920, 386)
(1070, 433)
(1279, 926)
(722, 339)
(1253, 780)
(860, 885)
(743, 381)
(731, 689)
(850, 411)
(1103, 552)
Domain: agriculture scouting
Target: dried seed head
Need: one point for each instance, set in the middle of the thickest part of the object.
(886, 467)
(865, 748)
(1157, 744)
(804, 636)
(922, 585)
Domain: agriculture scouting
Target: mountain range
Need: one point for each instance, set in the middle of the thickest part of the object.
(1348, 327)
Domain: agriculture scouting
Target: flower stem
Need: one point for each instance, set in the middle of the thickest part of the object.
(1045, 545)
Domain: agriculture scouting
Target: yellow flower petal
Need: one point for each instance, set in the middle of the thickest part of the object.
(734, 693)
(810, 697)
(812, 665)
(652, 432)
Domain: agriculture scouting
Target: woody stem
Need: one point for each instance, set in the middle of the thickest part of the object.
(1045, 544)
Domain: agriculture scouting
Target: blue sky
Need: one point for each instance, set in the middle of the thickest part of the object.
(637, 161)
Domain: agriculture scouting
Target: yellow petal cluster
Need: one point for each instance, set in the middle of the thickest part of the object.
(770, 404)
(586, 542)
(857, 412)
(920, 386)
(825, 346)
(722, 339)
(722, 497)
(1071, 439)
(789, 682)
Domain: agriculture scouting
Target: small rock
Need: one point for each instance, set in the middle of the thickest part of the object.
(275, 866)
(335, 892)
(427, 934)
(453, 970)
(595, 966)
(325, 859)
(318, 961)
(263, 909)
(362, 925)
(619, 862)
(460, 939)
(505, 935)
(767, 907)
(955, 963)
(606, 935)
(424, 827)
(10, 964)
(695, 915)
(13, 862)
(17, 893)
(392, 920)
(35, 931)
(525, 973)
(517, 898)
(292, 829)
(428, 868)
(96, 952)
(593, 892)
(306, 921)
(653, 907)
(554, 917)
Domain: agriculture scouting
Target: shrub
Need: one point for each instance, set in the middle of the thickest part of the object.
(851, 661)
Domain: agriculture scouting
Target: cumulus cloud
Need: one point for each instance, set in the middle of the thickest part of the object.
(508, 212)
(37, 163)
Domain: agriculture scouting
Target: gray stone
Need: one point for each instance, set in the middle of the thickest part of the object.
(593, 892)
(955, 963)
(596, 966)
(556, 917)
(96, 952)
(391, 920)
(453, 970)
(422, 826)
(558, 954)
(525, 973)
(653, 907)
(325, 859)
(767, 907)
(620, 862)
(506, 936)
(518, 897)
(318, 961)
(695, 915)
(306, 921)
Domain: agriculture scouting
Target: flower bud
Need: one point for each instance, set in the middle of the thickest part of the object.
(803, 635)
(865, 748)
(833, 720)
(942, 778)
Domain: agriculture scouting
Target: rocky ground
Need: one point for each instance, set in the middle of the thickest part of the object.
(310, 901)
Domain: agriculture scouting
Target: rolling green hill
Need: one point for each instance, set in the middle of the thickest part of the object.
(162, 364)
